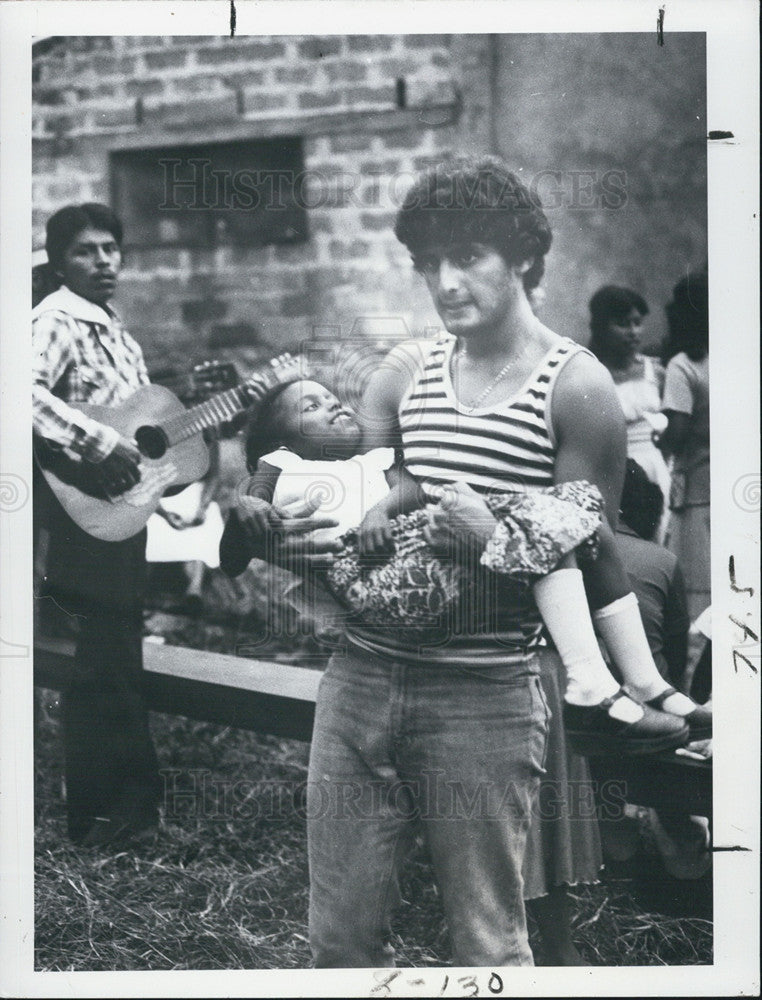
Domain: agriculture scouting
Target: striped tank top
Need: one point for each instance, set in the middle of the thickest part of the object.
(503, 447)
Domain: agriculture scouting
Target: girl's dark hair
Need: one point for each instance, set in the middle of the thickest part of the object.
(478, 201)
(612, 303)
(64, 225)
(642, 501)
(688, 318)
(262, 433)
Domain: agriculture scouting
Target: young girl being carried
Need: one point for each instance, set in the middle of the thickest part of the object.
(304, 447)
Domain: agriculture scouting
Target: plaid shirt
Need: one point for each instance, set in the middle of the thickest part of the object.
(82, 354)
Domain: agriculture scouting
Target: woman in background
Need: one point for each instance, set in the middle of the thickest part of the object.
(616, 320)
(686, 406)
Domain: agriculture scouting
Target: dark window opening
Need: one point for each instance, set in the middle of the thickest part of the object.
(211, 195)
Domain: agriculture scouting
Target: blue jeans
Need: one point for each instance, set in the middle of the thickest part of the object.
(456, 750)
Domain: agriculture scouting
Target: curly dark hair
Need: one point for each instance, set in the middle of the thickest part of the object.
(476, 200)
(611, 304)
(64, 225)
(642, 501)
(262, 434)
(688, 318)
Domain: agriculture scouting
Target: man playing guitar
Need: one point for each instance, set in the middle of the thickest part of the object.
(83, 354)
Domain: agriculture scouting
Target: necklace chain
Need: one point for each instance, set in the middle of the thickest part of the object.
(474, 405)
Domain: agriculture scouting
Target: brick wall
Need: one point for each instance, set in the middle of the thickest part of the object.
(90, 93)
(570, 106)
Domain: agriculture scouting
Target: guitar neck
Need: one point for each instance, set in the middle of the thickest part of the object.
(213, 412)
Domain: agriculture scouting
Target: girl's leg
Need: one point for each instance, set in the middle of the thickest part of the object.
(564, 608)
(617, 619)
(599, 717)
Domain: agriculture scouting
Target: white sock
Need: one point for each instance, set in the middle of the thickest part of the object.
(621, 628)
(562, 602)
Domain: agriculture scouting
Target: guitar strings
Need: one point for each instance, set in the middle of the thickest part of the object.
(219, 408)
(213, 411)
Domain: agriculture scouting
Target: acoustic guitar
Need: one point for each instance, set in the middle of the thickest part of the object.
(170, 439)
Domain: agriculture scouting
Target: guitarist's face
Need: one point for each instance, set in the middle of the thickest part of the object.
(91, 265)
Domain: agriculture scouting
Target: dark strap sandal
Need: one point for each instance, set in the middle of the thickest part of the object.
(699, 720)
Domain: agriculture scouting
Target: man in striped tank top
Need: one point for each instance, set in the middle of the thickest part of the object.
(453, 734)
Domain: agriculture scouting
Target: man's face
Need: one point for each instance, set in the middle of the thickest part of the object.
(471, 285)
(91, 265)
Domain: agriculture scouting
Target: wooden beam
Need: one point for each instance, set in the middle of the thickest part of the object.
(279, 698)
(276, 698)
(662, 780)
(335, 123)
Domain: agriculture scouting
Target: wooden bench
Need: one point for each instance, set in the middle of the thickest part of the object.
(267, 697)
(280, 698)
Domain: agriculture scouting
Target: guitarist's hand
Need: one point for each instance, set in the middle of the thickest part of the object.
(120, 469)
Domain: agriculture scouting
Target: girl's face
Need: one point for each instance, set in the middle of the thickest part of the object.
(310, 418)
(623, 333)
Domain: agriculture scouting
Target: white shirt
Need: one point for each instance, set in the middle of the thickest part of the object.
(347, 488)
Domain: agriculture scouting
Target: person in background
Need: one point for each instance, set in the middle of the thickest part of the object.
(657, 580)
(686, 406)
(43, 280)
(616, 321)
(83, 354)
(654, 573)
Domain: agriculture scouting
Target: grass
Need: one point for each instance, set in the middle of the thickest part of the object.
(224, 884)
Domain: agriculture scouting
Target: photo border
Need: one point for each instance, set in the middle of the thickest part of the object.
(733, 90)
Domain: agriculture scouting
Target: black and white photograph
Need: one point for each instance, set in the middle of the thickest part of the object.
(387, 533)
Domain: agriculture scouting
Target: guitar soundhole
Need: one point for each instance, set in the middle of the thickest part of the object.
(152, 441)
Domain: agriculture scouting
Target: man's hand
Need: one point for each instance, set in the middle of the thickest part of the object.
(119, 470)
(461, 523)
(259, 518)
(374, 536)
(281, 534)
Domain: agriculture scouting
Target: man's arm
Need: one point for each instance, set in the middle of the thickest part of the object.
(115, 460)
(379, 410)
(374, 534)
(236, 549)
(590, 432)
(52, 418)
(591, 437)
